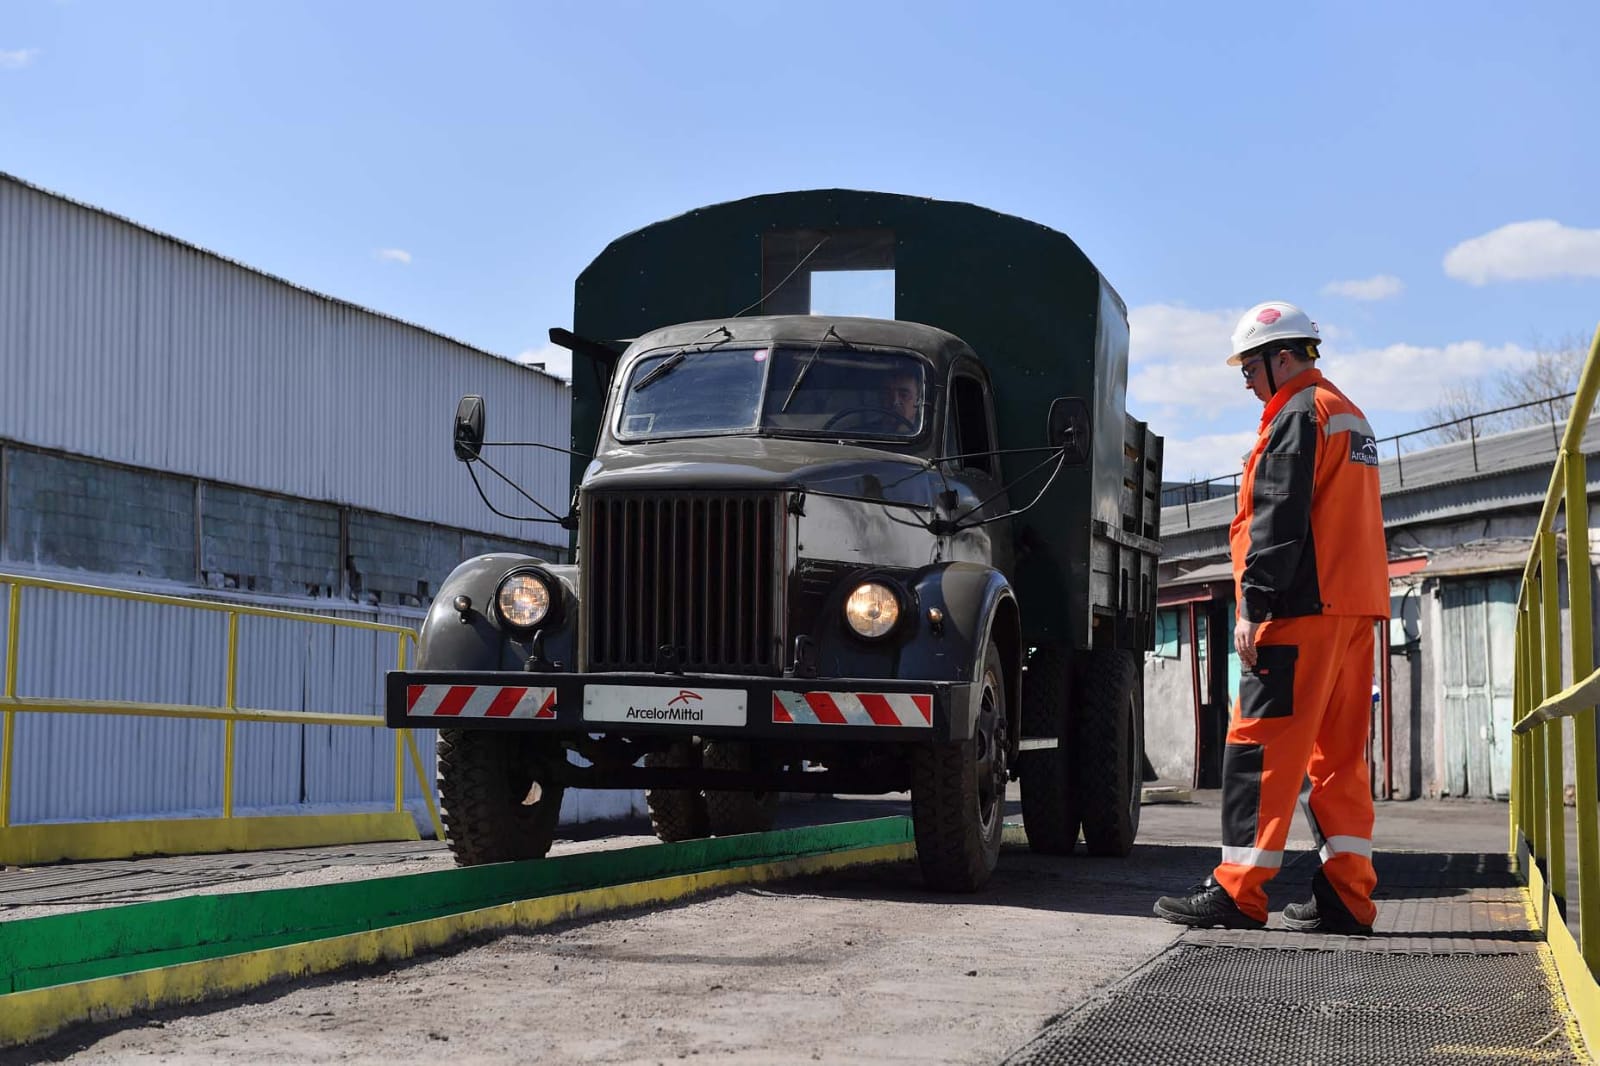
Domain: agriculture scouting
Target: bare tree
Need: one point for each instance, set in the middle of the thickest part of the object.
(1449, 416)
(1551, 376)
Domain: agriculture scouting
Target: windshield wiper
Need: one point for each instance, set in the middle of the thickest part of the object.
(806, 369)
(671, 362)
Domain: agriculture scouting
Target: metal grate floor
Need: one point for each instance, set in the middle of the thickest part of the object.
(1195, 1005)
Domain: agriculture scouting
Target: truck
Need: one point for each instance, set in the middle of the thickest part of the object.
(818, 553)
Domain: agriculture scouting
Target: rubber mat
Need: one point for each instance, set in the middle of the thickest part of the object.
(1196, 1005)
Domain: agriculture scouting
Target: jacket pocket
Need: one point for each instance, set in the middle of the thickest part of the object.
(1275, 476)
(1268, 690)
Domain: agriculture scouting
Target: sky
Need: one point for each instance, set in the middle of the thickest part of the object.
(1423, 178)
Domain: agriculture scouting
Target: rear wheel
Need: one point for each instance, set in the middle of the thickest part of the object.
(730, 813)
(677, 813)
(958, 794)
(492, 806)
(1049, 803)
(1108, 748)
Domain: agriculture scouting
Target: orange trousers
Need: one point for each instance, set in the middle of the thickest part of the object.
(1304, 711)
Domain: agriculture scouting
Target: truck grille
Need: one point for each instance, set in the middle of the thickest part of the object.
(695, 572)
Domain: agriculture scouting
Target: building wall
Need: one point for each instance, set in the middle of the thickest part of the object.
(123, 344)
(72, 513)
(178, 422)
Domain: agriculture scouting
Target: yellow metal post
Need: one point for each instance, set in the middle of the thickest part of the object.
(231, 702)
(1583, 726)
(1519, 746)
(1537, 809)
(1530, 788)
(1554, 730)
(8, 730)
(427, 786)
(400, 743)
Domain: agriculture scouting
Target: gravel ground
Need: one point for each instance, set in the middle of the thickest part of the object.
(863, 966)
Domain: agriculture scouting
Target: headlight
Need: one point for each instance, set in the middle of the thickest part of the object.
(523, 600)
(872, 610)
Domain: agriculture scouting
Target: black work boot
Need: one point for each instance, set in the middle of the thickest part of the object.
(1324, 912)
(1207, 904)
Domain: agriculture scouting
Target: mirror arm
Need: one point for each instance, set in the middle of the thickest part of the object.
(566, 521)
(958, 524)
(534, 444)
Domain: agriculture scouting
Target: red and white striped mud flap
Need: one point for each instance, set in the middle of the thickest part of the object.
(480, 701)
(914, 710)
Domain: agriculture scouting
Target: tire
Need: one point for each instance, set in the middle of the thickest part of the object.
(1049, 804)
(958, 794)
(731, 813)
(677, 813)
(1108, 748)
(484, 782)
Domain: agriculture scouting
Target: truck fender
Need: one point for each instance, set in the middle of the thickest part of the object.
(977, 604)
(449, 641)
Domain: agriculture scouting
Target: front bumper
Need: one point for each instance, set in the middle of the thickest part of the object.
(871, 710)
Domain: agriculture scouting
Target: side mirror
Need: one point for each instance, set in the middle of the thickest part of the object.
(468, 433)
(1069, 428)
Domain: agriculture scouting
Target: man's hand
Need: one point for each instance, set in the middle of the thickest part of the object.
(1244, 641)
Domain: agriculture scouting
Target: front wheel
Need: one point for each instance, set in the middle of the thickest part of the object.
(493, 807)
(958, 794)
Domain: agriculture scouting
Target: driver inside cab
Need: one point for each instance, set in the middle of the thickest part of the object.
(901, 399)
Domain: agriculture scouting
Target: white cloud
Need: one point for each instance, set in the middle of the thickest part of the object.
(1177, 357)
(393, 255)
(1206, 456)
(1526, 251)
(1178, 380)
(1379, 287)
(556, 359)
(1168, 330)
(1414, 377)
(18, 58)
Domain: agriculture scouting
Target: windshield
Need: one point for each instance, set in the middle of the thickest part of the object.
(783, 391)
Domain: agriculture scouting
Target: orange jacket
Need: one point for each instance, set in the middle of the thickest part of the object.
(1308, 538)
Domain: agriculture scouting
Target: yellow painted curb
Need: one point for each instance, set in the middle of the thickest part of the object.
(1570, 981)
(37, 1013)
(31, 845)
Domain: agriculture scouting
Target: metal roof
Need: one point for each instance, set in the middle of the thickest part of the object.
(191, 246)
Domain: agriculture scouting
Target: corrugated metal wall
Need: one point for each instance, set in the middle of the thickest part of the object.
(70, 767)
(119, 343)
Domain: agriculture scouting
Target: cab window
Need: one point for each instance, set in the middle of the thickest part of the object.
(970, 432)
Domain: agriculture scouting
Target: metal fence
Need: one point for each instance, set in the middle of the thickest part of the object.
(221, 659)
(1228, 484)
(1539, 819)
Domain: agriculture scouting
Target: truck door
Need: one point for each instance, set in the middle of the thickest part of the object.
(975, 471)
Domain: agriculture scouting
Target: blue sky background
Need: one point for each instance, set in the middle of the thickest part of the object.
(457, 165)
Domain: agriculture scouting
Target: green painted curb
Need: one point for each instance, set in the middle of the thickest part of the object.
(60, 949)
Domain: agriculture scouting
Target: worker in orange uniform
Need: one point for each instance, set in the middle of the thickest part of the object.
(1310, 567)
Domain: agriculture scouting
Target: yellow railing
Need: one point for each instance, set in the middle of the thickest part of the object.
(11, 704)
(1539, 826)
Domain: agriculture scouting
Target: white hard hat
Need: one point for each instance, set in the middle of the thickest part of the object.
(1271, 321)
